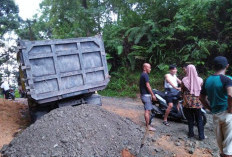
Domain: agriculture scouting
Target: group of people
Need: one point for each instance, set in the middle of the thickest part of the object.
(214, 94)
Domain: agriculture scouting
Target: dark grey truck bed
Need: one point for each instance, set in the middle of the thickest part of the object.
(57, 73)
(58, 69)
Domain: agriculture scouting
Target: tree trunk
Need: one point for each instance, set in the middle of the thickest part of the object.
(84, 4)
(30, 30)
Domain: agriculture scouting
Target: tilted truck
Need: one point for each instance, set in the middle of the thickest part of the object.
(57, 73)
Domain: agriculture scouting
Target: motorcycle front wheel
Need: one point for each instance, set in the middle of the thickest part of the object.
(12, 97)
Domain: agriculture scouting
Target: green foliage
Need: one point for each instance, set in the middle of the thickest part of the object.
(137, 31)
(122, 83)
(158, 32)
(125, 83)
(17, 95)
(8, 16)
(163, 67)
(138, 53)
(120, 49)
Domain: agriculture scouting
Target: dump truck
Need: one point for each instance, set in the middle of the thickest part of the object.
(62, 72)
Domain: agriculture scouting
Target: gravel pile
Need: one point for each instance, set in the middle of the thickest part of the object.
(85, 130)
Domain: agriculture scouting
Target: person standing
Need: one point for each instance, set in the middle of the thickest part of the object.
(218, 89)
(5, 87)
(191, 87)
(171, 90)
(146, 94)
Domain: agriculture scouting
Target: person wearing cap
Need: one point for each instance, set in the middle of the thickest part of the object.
(171, 90)
(216, 95)
(146, 94)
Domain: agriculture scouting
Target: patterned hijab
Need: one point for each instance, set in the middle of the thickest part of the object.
(192, 82)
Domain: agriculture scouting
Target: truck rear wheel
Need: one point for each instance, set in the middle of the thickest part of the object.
(35, 115)
(35, 111)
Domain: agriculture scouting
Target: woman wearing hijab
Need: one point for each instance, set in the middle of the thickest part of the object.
(191, 87)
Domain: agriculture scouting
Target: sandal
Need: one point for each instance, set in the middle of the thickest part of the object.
(166, 123)
(151, 128)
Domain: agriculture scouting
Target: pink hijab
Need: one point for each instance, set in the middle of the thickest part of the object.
(192, 82)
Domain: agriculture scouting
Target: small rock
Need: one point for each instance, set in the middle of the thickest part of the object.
(3, 148)
(125, 142)
(149, 139)
(157, 149)
(191, 150)
(78, 146)
(55, 154)
(191, 144)
(177, 143)
(196, 142)
(64, 140)
(129, 147)
(55, 145)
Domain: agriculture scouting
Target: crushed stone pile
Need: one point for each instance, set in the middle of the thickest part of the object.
(83, 131)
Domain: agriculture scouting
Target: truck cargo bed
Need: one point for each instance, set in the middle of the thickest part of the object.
(58, 69)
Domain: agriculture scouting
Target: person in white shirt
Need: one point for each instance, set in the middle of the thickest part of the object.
(171, 88)
(5, 87)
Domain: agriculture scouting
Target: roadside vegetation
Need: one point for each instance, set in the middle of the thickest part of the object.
(135, 31)
(125, 83)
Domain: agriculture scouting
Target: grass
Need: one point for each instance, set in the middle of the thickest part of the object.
(17, 95)
(125, 83)
(122, 84)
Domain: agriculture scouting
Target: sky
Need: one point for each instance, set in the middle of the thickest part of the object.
(27, 8)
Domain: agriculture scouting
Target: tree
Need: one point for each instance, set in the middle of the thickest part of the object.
(136, 31)
(9, 19)
(69, 18)
(8, 67)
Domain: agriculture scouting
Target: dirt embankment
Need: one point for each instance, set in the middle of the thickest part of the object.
(13, 119)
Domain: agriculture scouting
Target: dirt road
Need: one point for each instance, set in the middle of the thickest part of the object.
(166, 141)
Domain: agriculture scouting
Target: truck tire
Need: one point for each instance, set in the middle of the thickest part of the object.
(36, 115)
(35, 111)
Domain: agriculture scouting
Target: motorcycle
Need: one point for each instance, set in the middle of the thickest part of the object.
(11, 94)
(160, 106)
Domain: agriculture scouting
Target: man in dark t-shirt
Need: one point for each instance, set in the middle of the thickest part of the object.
(218, 90)
(146, 94)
